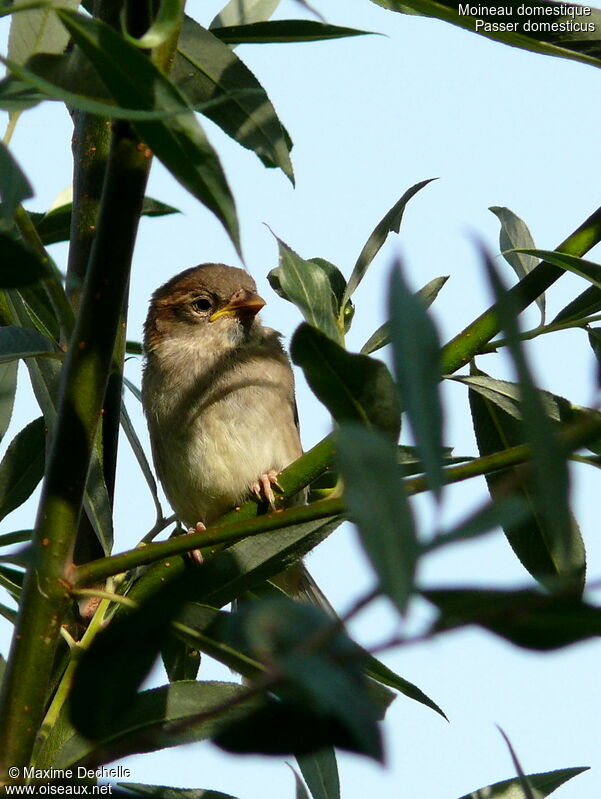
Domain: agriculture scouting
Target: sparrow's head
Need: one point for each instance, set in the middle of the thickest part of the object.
(216, 302)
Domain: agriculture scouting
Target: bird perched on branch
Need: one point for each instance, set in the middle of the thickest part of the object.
(218, 394)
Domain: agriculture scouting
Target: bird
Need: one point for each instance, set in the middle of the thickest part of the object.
(218, 394)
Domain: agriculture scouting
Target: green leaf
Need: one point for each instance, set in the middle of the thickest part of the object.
(416, 357)
(306, 284)
(164, 26)
(320, 772)
(14, 186)
(19, 266)
(22, 467)
(377, 671)
(379, 507)
(138, 451)
(37, 31)
(207, 69)
(391, 222)
(497, 424)
(283, 31)
(562, 543)
(594, 339)
(544, 784)
(18, 537)
(181, 661)
(586, 269)
(178, 141)
(522, 779)
(11, 616)
(323, 682)
(56, 224)
(352, 387)
(8, 388)
(382, 336)
(243, 12)
(514, 235)
(532, 620)
(12, 581)
(578, 45)
(164, 792)
(18, 342)
(585, 304)
(161, 717)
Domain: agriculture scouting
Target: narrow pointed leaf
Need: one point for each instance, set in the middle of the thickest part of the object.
(307, 285)
(320, 772)
(585, 304)
(416, 357)
(515, 234)
(497, 424)
(178, 141)
(586, 269)
(159, 718)
(353, 387)
(544, 784)
(522, 779)
(138, 450)
(243, 12)
(37, 31)
(19, 265)
(165, 792)
(550, 479)
(382, 336)
(164, 26)
(284, 31)
(8, 388)
(14, 186)
(391, 222)
(379, 672)
(379, 507)
(18, 342)
(22, 467)
(206, 69)
(580, 46)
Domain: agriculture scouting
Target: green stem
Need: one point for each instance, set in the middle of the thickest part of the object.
(45, 598)
(541, 331)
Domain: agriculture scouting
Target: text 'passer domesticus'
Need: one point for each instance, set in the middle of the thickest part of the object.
(218, 393)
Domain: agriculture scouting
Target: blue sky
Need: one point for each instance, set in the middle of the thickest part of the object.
(371, 116)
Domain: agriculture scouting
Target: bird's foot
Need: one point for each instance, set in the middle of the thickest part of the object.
(196, 554)
(262, 488)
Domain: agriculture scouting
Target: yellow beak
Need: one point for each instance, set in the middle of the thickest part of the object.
(242, 304)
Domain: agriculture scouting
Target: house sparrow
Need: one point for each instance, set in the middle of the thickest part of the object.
(218, 394)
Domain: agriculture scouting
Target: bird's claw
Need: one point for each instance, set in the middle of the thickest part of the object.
(196, 554)
(262, 487)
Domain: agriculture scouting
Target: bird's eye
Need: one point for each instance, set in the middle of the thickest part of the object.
(202, 304)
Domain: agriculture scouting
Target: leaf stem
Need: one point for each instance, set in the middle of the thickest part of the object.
(492, 346)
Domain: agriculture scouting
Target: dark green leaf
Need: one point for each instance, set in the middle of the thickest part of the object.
(241, 12)
(19, 266)
(320, 772)
(164, 792)
(556, 41)
(515, 234)
(206, 69)
(8, 388)
(18, 537)
(379, 507)
(322, 681)
(37, 31)
(162, 717)
(178, 141)
(526, 618)
(353, 387)
(522, 779)
(586, 269)
(282, 31)
(181, 661)
(165, 25)
(584, 305)
(594, 339)
(16, 95)
(382, 674)
(138, 451)
(22, 467)
(12, 581)
(18, 342)
(544, 784)
(391, 222)
(550, 472)
(382, 336)
(416, 357)
(307, 284)
(14, 186)
(11, 616)
(497, 428)
(56, 224)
